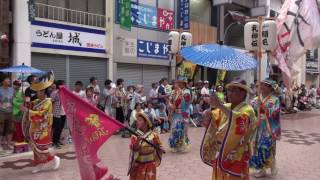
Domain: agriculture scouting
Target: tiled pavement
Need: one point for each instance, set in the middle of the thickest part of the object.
(298, 156)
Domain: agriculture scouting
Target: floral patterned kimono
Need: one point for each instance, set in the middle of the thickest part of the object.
(144, 159)
(265, 141)
(226, 143)
(179, 140)
(40, 118)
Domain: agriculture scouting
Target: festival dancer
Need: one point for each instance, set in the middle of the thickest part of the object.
(144, 158)
(268, 130)
(226, 143)
(40, 118)
(179, 141)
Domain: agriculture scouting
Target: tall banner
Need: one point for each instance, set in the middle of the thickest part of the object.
(184, 14)
(125, 14)
(298, 29)
(165, 19)
(221, 74)
(90, 128)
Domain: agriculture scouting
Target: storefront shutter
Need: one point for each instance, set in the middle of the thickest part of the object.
(130, 73)
(82, 68)
(153, 74)
(48, 62)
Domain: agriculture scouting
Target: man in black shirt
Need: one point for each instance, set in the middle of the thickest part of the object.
(162, 96)
(29, 93)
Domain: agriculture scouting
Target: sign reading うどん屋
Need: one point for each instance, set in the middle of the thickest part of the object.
(66, 37)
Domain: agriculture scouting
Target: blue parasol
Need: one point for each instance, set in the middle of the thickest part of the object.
(218, 57)
(23, 69)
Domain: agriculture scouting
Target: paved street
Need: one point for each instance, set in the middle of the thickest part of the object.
(298, 156)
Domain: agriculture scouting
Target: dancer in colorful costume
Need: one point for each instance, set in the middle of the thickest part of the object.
(40, 119)
(144, 158)
(268, 130)
(226, 143)
(180, 102)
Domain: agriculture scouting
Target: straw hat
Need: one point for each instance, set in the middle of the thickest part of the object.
(146, 118)
(43, 82)
(239, 83)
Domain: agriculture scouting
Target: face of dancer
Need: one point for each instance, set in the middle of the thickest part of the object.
(236, 95)
(141, 124)
(41, 94)
(265, 89)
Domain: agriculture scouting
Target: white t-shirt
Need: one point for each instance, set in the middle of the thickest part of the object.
(205, 91)
(81, 93)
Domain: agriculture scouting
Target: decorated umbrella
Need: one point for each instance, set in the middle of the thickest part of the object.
(218, 57)
(22, 69)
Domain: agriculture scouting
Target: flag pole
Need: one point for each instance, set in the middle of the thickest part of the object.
(260, 21)
(148, 142)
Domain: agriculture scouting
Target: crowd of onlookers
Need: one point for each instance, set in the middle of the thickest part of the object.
(123, 102)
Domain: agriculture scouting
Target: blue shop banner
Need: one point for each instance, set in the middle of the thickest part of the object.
(150, 49)
(184, 14)
(141, 15)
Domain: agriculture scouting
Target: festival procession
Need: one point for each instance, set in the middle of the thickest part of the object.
(159, 89)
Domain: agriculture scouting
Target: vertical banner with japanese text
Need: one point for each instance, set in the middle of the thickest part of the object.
(125, 14)
(184, 14)
(165, 19)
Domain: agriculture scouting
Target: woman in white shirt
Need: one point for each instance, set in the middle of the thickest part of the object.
(133, 118)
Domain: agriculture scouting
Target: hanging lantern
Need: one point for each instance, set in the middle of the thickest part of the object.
(185, 39)
(269, 31)
(251, 34)
(173, 42)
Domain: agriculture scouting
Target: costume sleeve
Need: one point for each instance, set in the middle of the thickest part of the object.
(156, 140)
(39, 115)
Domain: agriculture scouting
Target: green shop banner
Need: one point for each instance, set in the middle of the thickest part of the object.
(125, 14)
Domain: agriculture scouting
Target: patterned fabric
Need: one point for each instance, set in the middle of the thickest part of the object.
(144, 158)
(40, 117)
(226, 143)
(179, 140)
(264, 140)
(57, 107)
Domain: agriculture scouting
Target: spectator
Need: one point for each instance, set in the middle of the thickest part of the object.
(153, 95)
(162, 119)
(7, 125)
(130, 93)
(94, 85)
(220, 94)
(137, 97)
(121, 100)
(313, 95)
(212, 89)
(16, 112)
(30, 94)
(78, 89)
(107, 98)
(90, 97)
(198, 112)
(133, 118)
(162, 95)
(150, 111)
(205, 90)
(59, 115)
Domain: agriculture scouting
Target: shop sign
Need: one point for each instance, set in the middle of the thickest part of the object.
(143, 15)
(125, 14)
(66, 37)
(184, 14)
(129, 47)
(165, 19)
(150, 49)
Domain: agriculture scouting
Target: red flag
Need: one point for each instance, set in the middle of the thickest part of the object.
(90, 128)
